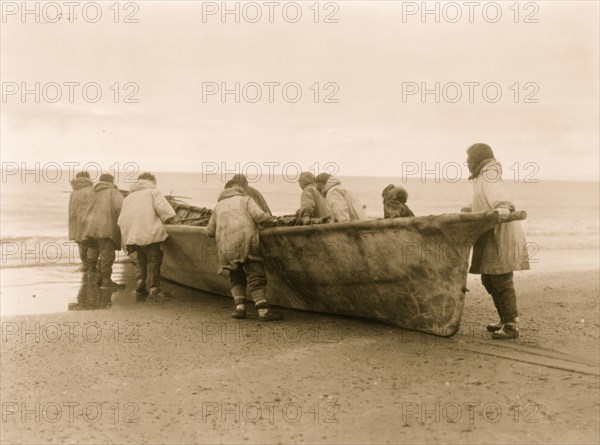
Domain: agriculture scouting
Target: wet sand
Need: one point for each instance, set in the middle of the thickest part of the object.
(182, 371)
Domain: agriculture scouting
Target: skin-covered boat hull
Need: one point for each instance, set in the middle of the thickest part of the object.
(409, 272)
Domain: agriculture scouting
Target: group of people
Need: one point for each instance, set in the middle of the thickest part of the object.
(100, 221)
(241, 210)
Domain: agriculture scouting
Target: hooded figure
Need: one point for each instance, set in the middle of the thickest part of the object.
(234, 224)
(241, 181)
(78, 202)
(344, 205)
(144, 211)
(312, 203)
(502, 250)
(101, 227)
(321, 180)
(394, 202)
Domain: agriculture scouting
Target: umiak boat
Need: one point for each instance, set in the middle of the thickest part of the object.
(408, 272)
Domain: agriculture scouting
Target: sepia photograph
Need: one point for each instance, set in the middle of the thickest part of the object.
(300, 222)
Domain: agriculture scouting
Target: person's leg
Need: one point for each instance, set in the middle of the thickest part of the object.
(92, 254)
(507, 297)
(257, 282)
(487, 281)
(142, 269)
(237, 281)
(155, 256)
(83, 256)
(107, 259)
(107, 256)
(507, 300)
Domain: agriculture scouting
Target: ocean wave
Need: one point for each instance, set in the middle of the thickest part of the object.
(16, 264)
(34, 238)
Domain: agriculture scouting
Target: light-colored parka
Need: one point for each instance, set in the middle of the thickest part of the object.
(343, 204)
(503, 249)
(102, 213)
(234, 224)
(78, 202)
(144, 211)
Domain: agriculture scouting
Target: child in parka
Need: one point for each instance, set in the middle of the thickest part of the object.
(394, 202)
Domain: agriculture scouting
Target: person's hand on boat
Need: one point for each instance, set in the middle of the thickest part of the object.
(273, 222)
(173, 220)
(502, 213)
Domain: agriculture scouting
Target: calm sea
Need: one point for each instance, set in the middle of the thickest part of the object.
(561, 215)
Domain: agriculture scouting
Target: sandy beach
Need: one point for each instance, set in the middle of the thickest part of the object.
(182, 371)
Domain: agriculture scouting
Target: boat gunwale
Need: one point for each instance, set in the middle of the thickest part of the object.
(380, 223)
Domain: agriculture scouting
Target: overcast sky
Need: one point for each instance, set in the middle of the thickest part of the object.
(373, 54)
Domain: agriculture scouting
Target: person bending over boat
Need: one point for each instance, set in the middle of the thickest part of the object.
(234, 223)
(100, 226)
(394, 202)
(78, 202)
(502, 250)
(312, 203)
(321, 180)
(144, 211)
(241, 181)
(344, 205)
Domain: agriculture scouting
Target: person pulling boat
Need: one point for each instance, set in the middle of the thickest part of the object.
(344, 205)
(502, 250)
(234, 223)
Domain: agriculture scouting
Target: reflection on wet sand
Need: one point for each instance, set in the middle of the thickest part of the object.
(59, 288)
(91, 296)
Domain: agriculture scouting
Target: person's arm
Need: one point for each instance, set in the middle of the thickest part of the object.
(72, 216)
(307, 202)
(257, 215)
(117, 201)
(211, 228)
(258, 198)
(496, 194)
(163, 209)
(338, 205)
